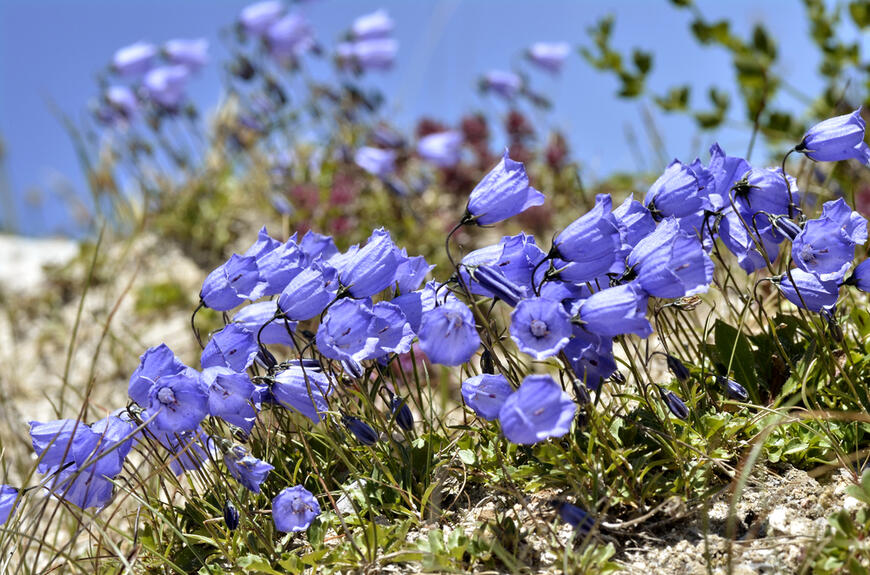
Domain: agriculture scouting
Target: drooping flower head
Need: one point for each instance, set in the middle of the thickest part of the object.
(617, 310)
(256, 18)
(677, 192)
(441, 148)
(230, 396)
(485, 394)
(232, 283)
(135, 59)
(293, 509)
(836, 139)
(8, 496)
(549, 56)
(538, 410)
(247, 469)
(594, 241)
(193, 54)
(447, 333)
(807, 291)
(377, 24)
(373, 267)
(167, 85)
(289, 37)
(253, 317)
(634, 221)
(363, 432)
(504, 192)
(233, 347)
(505, 84)
(308, 294)
(344, 332)
(376, 161)
(826, 246)
(303, 389)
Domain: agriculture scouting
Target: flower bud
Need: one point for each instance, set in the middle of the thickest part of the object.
(680, 371)
(231, 515)
(675, 404)
(574, 516)
(400, 410)
(360, 429)
(733, 389)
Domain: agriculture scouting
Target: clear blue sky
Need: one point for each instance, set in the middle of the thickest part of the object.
(50, 51)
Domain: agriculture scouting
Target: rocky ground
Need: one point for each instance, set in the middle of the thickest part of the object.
(778, 521)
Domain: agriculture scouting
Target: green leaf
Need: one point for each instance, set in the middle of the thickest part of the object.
(256, 564)
(642, 61)
(467, 456)
(677, 98)
(860, 12)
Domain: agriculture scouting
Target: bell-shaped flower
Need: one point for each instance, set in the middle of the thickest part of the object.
(411, 305)
(363, 432)
(277, 262)
(192, 54)
(121, 103)
(739, 242)
(377, 24)
(671, 263)
(167, 85)
(634, 221)
(256, 18)
(303, 389)
(514, 258)
(485, 394)
(61, 442)
(289, 37)
(231, 515)
(590, 356)
(540, 327)
(376, 161)
(826, 246)
(177, 402)
(549, 56)
(253, 317)
(505, 84)
(593, 241)
(371, 54)
(232, 283)
(860, 277)
(617, 310)
(494, 284)
(155, 363)
(836, 139)
(8, 497)
(135, 59)
(308, 294)
(536, 411)
(677, 193)
(372, 268)
(764, 190)
(807, 291)
(390, 328)
(247, 469)
(726, 171)
(230, 396)
(344, 332)
(441, 148)
(411, 272)
(448, 334)
(115, 440)
(233, 347)
(313, 245)
(504, 192)
(293, 509)
(85, 488)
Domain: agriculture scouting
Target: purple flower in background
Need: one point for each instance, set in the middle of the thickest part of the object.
(836, 139)
(678, 193)
(376, 161)
(538, 410)
(447, 333)
(230, 396)
(247, 469)
(344, 332)
(671, 263)
(135, 59)
(166, 85)
(549, 56)
(155, 363)
(860, 277)
(308, 294)
(504, 192)
(485, 394)
(505, 84)
(122, 102)
(616, 311)
(256, 18)
(441, 148)
(177, 402)
(8, 496)
(634, 221)
(826, 246)
(289, 37)
(591, 357)
(373, 54)
(378, 24)
(540, 327)
(575, 517)
(192, 54)
(303, 389)
(593, 241)
(807, 291)
(373, 268)
(233, 347)
(294, 509)
(253, 317)
(232, 283)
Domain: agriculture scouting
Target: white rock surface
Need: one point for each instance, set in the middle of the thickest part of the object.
(22, 260)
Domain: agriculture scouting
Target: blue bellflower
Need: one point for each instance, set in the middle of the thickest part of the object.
(860, 277)
(835, 139)
(807, 291)
(233, 347)
(593, 241)
(401, 412)
(549, 56)
(289, 37)
(617, 310)
(538, 410)
(376, 161)
(373, 268)
(256, 18)
(448, 335)
(308, 294)
(232, 283)
(277, 262)
(441, 148)
(303, 389)
(177, 402)
(391, 329)
(254, 316)
(155, 363)
(8, 497)
(485, 394)
(134, 60)
(505, 84)
(377, 24)
(826, 246)
(540, 327)
(634, 221)
(678, 193)
(230, 396)
(247, 469)
(344, 332)
(192, 54)
(591, 357)
(363, 432)
(166, 86)
(293, 509)
(726, 171)
(503, 193)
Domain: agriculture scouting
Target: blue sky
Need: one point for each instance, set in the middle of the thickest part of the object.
(51, 51)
